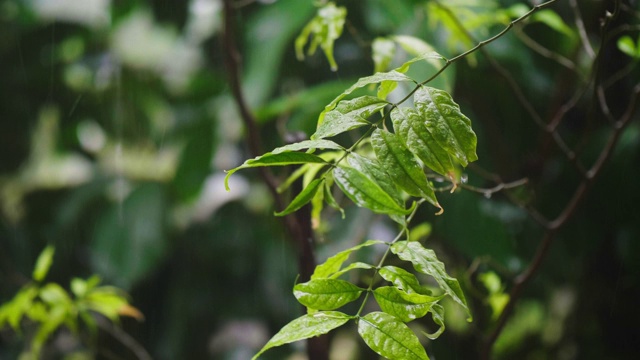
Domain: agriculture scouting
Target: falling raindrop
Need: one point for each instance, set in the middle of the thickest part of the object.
(487, 194)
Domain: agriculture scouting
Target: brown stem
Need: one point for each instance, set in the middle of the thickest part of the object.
(298, 225)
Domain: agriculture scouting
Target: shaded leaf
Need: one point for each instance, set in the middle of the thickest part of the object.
(306, 326)
(302, 198)
(331, 201)
(45, 259)
(326, 294)
(374, 171)
(412, 128)
(280, 159)
(401, 165)
(425, 261)
(366, 192)
(406, 307)
(348, 115)
(437, 314)
(446, 123)
(389, 337)
(334, 263)
(373, 79)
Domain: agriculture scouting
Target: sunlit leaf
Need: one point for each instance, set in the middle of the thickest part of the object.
(425, 261)
(355, 265)
(403, 280)
(413, 129)
(390, 337)
(43, 263)
(53, 293)
(366, 192)
(306, 326)
(334, 263)
(325, 28)
(404, 306)
(554, 21)
(401, 165)
(280, 159)
(627, 46)
(446, 123)
(326, 294)
(302, 198)
(373, 79)
(308, 144)
(348, 115)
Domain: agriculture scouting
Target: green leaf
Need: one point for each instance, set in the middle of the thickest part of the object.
(554, 21)
(389, 337)
(413, 130)
(306, 326)
(406, 307)
(432, 57)
(326, 27)
(308, 144)
(403, 280)
(437, 314)
(334, 263)
(382, 52)
(326, 294)
(348, 115)
(446, 123)
(280, 159)
(43, 263)
(107, 301)
(302, 198)
(54, 294)
(374, 171)
(627, 46)
(366, 192)
(401, 165)
(362, 82)
(355, 265)
(425, 261)
(328, 196)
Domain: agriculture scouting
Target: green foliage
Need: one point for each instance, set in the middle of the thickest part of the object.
(51, 307)
(325, 28)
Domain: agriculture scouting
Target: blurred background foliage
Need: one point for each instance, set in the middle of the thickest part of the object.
(117, 124)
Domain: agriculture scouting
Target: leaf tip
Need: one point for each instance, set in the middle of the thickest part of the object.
(441, 211)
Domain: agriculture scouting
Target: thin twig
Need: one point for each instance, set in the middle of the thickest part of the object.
(535, 46)
(581, 29)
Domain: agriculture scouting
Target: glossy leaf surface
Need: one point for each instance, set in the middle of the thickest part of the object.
(446, 123)
(425, 261)
(366, 192)
(308, 144)
(401, 165)
(406, 307)
(413, 129)
(402, 279)
(390, 337)
(305, 327)
(326, 294)
(348, 115)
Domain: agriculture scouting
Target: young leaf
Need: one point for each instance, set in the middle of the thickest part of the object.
(437, 314)
(387, 86)
(326, 28)
(446, 123)
(366, 192)
(304, 327)
(280, 159)
(403, 280)
(348, 115)
(355, 265)
(302, 198)
(362, 82)
(401, 165)
(308, 144)
(334, 263)
(425, 261)
(413, 130)
(43, 263)
(389, 337)
(627, 46)
(326, 294)
(406, 307)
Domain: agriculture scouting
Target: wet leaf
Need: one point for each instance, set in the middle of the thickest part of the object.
(437, 314)
(401, 165)
(403, 280)
(355, 265)
(404, 306)
(425, 261)
(389, 337)
(446, 123)
(306, 326)
(348, 115)
(308, 144)
(326, 294)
